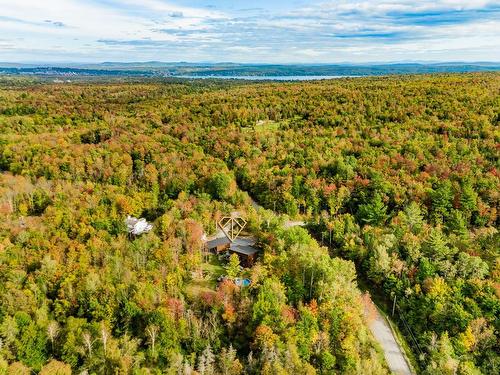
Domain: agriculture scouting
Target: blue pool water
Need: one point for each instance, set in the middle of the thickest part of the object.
(242, 282)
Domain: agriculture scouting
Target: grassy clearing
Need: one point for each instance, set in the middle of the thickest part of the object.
(208, 282)
(266, 125)
(213, 267)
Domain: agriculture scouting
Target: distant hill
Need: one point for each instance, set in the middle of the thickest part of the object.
(215, 70)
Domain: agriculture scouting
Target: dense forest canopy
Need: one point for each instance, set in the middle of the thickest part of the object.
(397, 177)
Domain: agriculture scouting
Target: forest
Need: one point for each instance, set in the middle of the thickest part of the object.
(396, 177)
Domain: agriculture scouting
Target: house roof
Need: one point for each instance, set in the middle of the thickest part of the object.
(243, 249)
(241, 245)
(137, 226)
(218, 242)
(244, 241)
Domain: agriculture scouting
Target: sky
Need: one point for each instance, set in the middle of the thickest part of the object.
(249, 31)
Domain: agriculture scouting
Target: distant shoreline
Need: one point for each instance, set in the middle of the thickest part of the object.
(270, 78)
(241, 71)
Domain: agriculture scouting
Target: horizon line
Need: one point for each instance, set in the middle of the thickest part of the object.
(383, 62)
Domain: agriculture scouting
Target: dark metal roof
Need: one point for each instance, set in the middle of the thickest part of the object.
(244, 249)
(244, 241)
(217, 242)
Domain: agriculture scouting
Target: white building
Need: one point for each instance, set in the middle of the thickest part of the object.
(137, 226)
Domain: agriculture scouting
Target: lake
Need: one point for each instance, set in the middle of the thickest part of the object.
(267, 78)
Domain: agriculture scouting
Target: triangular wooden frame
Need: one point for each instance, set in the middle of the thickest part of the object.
(236, 226)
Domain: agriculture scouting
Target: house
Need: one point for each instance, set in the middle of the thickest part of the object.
(137, 226)
(244, 247)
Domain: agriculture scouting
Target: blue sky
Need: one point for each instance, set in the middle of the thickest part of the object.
(271, 31)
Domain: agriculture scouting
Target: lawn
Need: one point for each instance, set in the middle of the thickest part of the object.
(211, 271)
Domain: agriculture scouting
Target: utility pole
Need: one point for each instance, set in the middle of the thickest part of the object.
(394, 302)
(394, 305)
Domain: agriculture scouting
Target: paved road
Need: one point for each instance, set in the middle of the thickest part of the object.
(289, 224)
(393, 353)
(255, 205)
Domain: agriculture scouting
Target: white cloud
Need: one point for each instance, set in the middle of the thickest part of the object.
(321, 31)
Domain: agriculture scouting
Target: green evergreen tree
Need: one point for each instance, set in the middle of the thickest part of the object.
(468, 200)
(413, 217)
(442, 201)
(374, 212)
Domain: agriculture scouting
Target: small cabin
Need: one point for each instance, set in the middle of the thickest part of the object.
(246, 250)
(246, 253)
